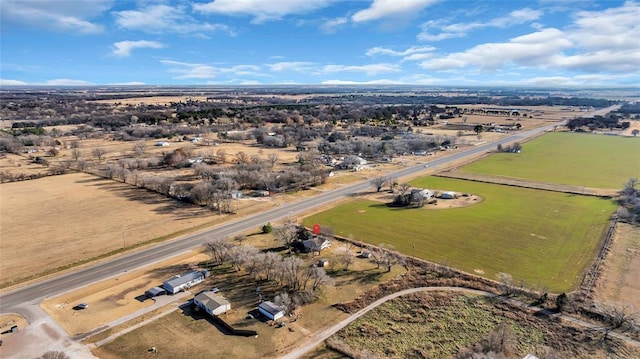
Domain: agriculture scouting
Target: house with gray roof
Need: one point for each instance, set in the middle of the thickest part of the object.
(184, 281)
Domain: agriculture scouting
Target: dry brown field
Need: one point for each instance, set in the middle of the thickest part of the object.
(619, 284)
(151, 100)
(60, 220)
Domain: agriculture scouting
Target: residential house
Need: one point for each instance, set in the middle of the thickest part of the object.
(315, 244)
(185, 281)
(212, 303)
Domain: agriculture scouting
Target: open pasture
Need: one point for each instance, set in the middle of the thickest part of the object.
(543, 238)
(578, 159)
(56, 221)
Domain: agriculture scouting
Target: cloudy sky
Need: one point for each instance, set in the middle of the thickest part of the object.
(244, 42)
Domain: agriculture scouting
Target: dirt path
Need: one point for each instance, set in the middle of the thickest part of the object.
(320, 337)
(517, 182)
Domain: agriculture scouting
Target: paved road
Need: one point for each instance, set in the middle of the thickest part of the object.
(32, 294)
(320, 337)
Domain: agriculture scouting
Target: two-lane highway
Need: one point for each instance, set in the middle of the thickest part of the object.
(33, 293)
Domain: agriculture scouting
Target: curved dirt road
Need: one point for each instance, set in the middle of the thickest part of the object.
(320, 337)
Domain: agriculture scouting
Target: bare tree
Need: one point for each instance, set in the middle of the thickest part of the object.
(99, 153)
(404, 188)
(218, 248)
(270, 262)
(620, 319)
(140, 148)
(318, 278)
(222, 155)
(378, 183)
(76, 154)
(82, 165)
(392, 183)
(289, 270)
(242, 158)
(273, 159)
(285, 301)
(287, 233)
(506, 283)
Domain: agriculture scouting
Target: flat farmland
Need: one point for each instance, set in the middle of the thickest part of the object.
(60, 220)
(543, 238)
(578, 159)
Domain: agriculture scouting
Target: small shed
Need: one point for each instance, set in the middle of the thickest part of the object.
(271, 310)
(212, 303)
(323, 262)
(185, 281)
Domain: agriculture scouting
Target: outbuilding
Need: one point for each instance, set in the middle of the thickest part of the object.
(212, 303)
(155, 291)
(448, 195)
(185, 281)
(271, 310)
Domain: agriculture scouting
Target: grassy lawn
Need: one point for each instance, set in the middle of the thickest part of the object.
(544, 238)
(578, 159)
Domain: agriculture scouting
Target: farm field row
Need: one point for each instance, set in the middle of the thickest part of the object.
(578, 159)
(542, 238)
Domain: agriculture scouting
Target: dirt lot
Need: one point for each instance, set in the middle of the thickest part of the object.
(9, 320)
(619, 284)
(387, 197)
(80, 216)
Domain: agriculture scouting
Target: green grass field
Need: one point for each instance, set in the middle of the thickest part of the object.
(544, 238)
(578, 159)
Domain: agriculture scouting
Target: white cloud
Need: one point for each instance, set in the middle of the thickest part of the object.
(124, 48)
(390, 8)
(186, 70)
(261, 10)
(595, 42)
(409, 51)
(534, 49)
(614, 28)
(65, 82)
(165, 19)
(372, 69)
(299, 66)
(68, 16)
(6, 82)
(330, 26)
(449, 31)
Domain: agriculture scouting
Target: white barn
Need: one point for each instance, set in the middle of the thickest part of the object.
(271, 310)
(212, 303)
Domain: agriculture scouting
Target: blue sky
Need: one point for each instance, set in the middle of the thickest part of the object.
(545, 43)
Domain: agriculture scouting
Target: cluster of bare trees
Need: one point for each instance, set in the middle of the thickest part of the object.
(384, 255)
(289, 272)
(629, 201)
